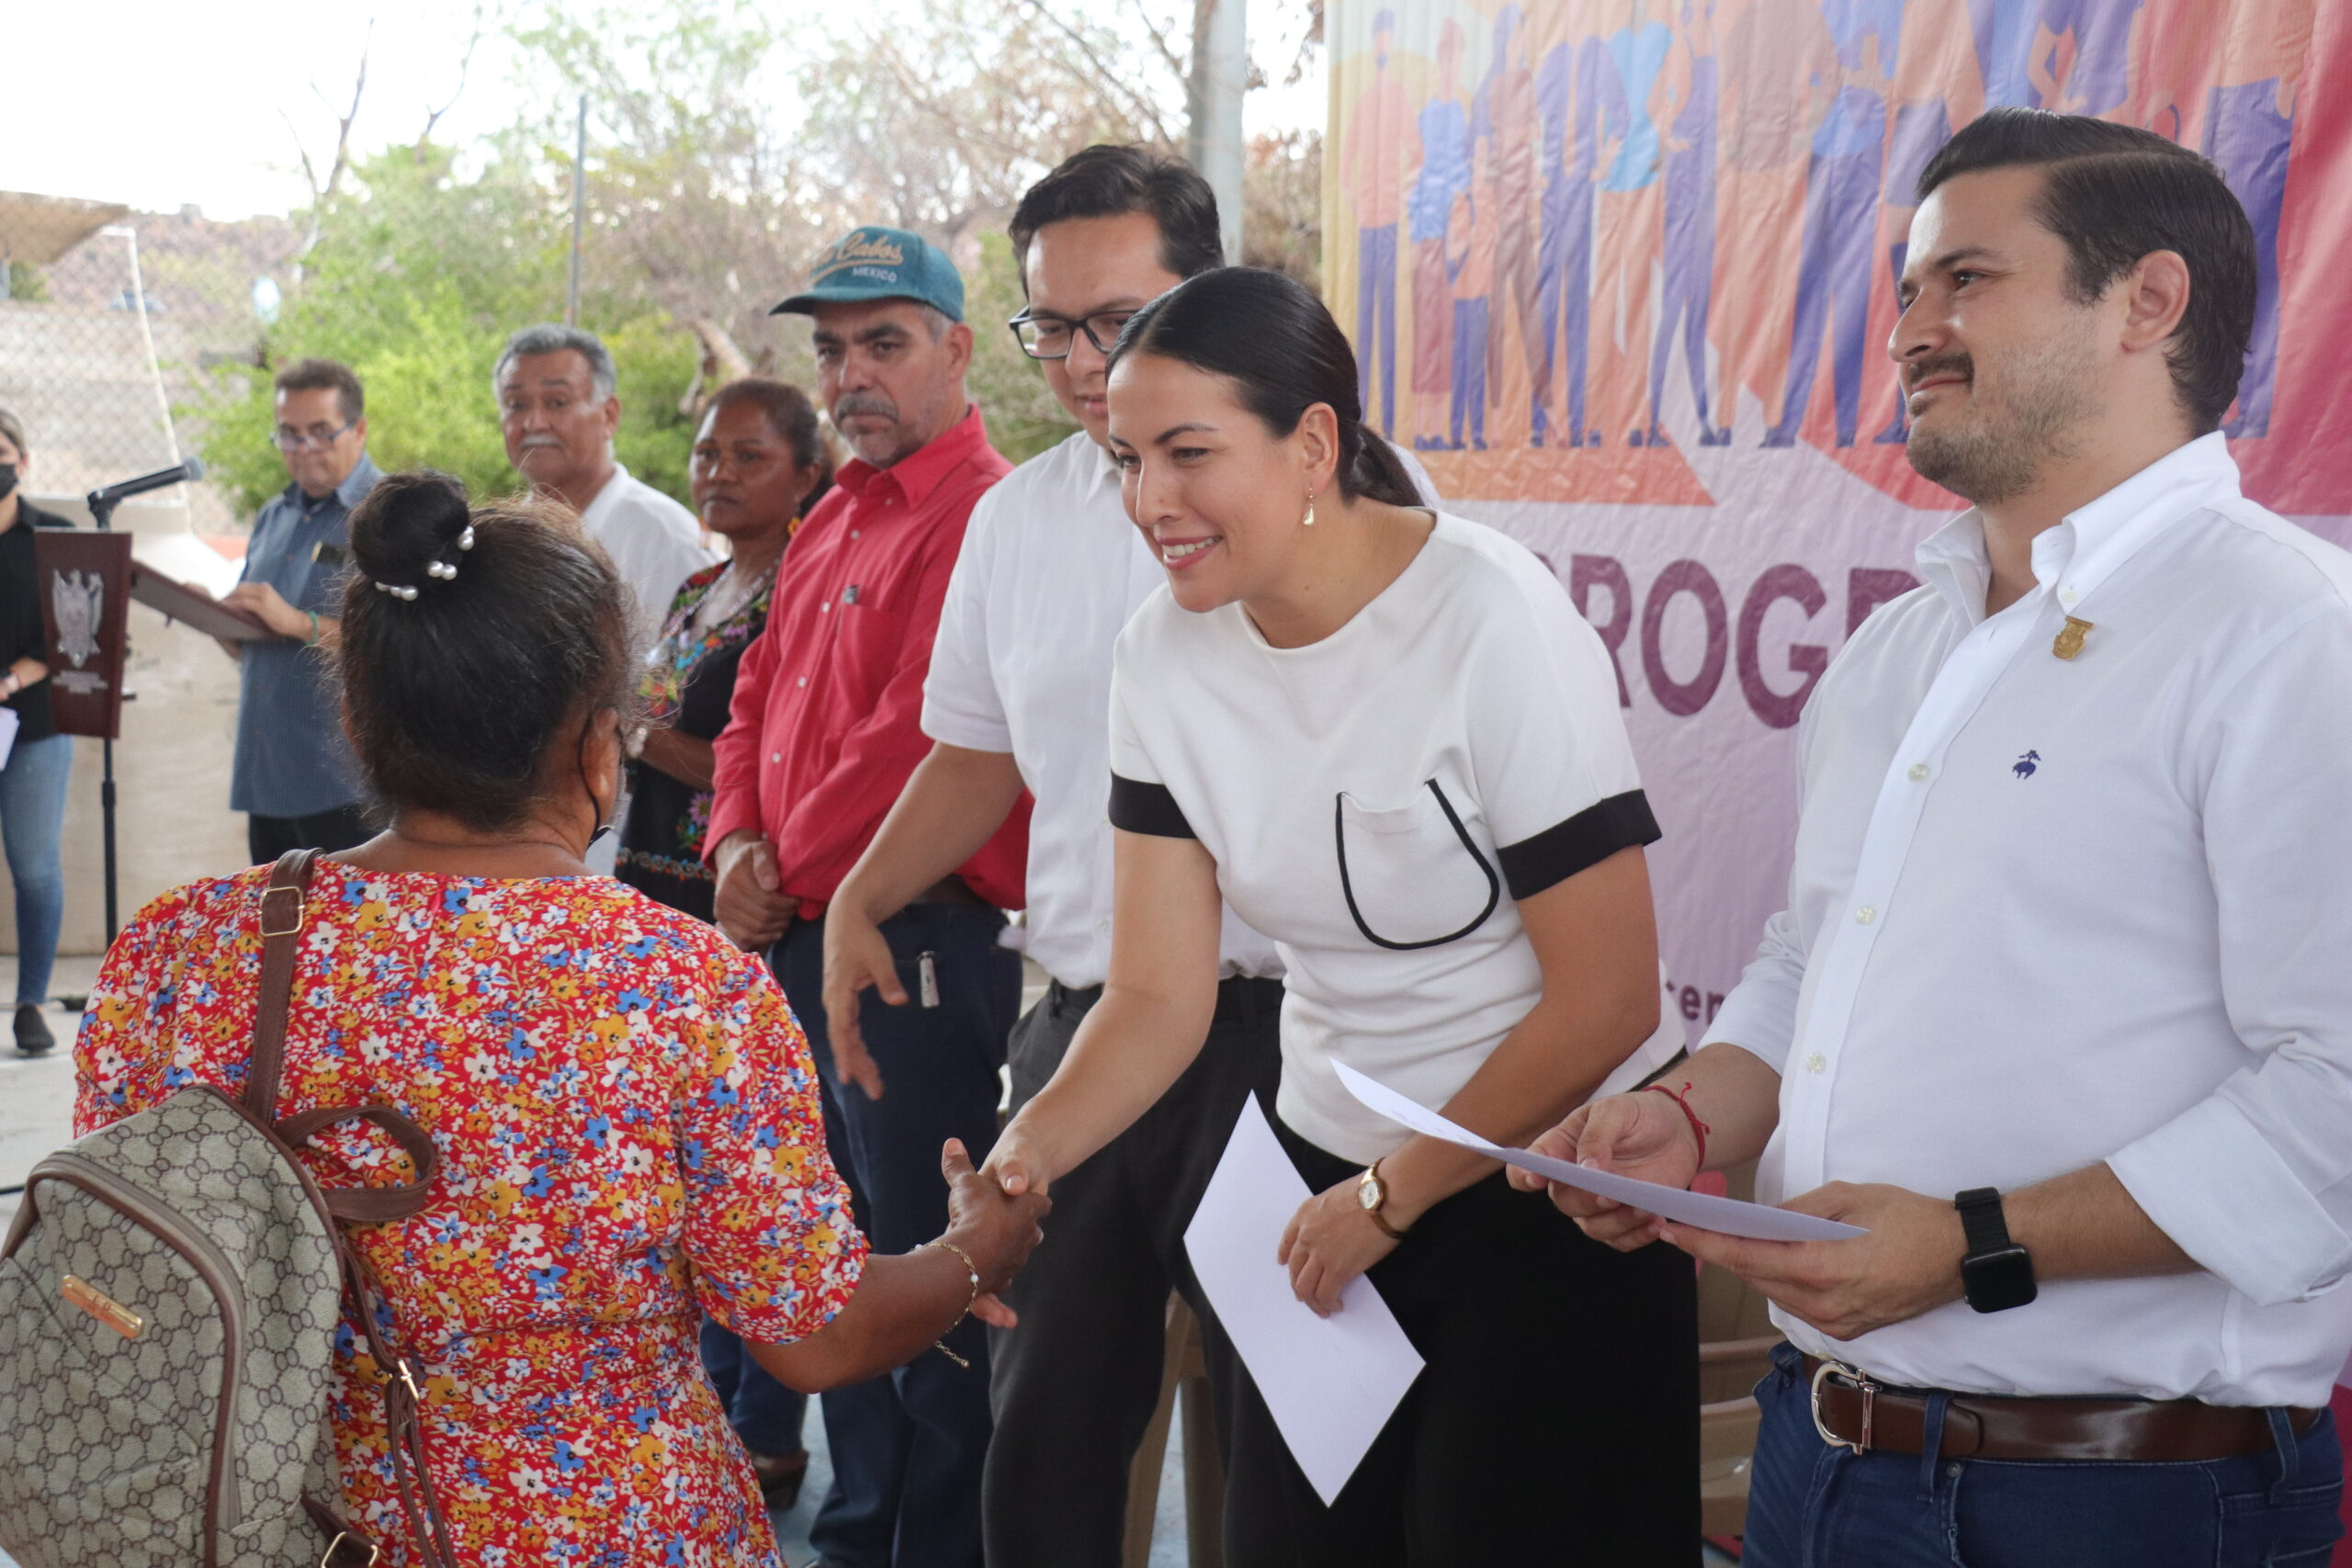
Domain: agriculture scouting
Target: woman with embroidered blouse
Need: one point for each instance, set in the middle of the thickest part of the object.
(625, 1109)
(760, 462)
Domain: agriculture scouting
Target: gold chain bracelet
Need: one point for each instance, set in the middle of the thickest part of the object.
(974, 1270)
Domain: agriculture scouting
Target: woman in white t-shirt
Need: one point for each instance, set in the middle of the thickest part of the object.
(1389, 742)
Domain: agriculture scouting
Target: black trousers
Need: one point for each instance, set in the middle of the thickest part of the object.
(1556, 1423)
(1074, 1385)
(267, 837)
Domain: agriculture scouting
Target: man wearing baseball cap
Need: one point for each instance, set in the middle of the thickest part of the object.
(824, 730)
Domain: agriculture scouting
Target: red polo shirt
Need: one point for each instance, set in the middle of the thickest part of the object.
(824, 727)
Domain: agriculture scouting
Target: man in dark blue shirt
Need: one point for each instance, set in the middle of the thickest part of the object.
(294, 777)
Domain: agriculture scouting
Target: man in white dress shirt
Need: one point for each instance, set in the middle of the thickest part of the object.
(2059, 1011)
(558, 410)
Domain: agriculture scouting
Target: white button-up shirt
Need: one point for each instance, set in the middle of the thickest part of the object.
(2046, 912)
(1051, 568)
(655, 545)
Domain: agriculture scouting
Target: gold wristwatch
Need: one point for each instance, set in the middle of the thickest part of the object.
(1372, 1193)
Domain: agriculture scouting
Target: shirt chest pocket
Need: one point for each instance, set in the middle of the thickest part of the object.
(870, 623)
(1412, 875)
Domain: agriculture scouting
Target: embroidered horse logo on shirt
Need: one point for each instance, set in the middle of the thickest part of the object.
(2026, 764)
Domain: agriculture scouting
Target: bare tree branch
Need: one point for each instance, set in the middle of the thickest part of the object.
(1105, 73)
(1178, 65)
(465, 66)
(309, 174)
(323, 193)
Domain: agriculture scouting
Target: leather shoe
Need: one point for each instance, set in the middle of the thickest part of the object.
(33, 1038)
(780, 1476)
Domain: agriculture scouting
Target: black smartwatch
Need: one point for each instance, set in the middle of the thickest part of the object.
(1998, 1274)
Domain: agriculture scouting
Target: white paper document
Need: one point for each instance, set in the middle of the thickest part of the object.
(1330, 1383)
(8, 722)
(1728, 1215)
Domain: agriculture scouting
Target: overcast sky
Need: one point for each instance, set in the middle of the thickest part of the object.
(175, 103)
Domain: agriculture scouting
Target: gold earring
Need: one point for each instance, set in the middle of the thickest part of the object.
(1308, 521)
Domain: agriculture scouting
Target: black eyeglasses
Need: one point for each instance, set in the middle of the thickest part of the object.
(288, 439)
(1050, 337)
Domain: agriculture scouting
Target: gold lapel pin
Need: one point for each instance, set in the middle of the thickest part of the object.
(2070, 638)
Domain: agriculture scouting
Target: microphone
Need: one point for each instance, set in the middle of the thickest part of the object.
(179, 473)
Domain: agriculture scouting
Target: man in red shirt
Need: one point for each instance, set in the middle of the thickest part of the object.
(824, 729)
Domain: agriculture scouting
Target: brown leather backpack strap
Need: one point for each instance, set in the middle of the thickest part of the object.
(373, 1205)
(404, 1399)
(283, 905)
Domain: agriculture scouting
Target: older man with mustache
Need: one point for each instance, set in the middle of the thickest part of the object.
(558, 410)
(824, 730)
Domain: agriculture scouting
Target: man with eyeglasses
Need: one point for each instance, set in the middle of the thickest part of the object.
(294, 777)
(1019, 693)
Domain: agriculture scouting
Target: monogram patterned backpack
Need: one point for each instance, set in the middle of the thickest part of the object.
(169, 1293)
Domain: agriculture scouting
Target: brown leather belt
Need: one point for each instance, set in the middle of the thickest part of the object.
(1851, 1411)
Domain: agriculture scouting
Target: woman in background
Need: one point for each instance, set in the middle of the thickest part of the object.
(40, 763)
(759, 464)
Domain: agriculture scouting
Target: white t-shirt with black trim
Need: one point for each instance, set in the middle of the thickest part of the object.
(1376, 801)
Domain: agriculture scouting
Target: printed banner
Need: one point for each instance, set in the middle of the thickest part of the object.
(1622, 274)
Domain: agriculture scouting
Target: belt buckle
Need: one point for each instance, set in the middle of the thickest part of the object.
(274, 911)
(1861, 1380)
(327, 1561)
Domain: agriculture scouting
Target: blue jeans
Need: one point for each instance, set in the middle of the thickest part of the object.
(907, 1447)
(32, 820)
(764, 1413)
(1812, 1506)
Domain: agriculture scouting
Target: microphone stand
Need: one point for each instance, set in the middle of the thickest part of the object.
(102, 507)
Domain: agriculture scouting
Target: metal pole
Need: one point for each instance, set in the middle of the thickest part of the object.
(579, 212)
(104, 517)
(1219, 137)
(129, 236)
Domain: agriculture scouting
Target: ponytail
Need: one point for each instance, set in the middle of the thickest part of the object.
(1378, 474)
(1268, 334)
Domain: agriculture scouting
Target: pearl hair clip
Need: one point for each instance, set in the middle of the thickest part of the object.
(446, 571)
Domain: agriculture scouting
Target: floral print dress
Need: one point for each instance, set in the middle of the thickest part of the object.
(630, 1134)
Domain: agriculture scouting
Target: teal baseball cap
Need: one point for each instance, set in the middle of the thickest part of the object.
(875, 263)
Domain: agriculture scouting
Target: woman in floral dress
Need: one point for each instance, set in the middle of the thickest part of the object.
(625, 1109)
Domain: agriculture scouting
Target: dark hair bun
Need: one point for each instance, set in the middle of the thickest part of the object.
(406, 523)
(465, 691)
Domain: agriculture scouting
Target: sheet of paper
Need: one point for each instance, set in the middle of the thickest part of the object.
(1728, 1215)
(184, 558)
(1330, 1383)
(8, 722)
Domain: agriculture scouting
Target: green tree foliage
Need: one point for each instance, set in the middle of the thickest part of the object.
(725, 153)
(420, 274)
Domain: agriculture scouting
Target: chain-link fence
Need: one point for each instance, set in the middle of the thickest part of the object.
(112, 327)
(106, 341)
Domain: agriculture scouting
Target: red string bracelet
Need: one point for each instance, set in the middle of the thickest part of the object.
(1699, 1129)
